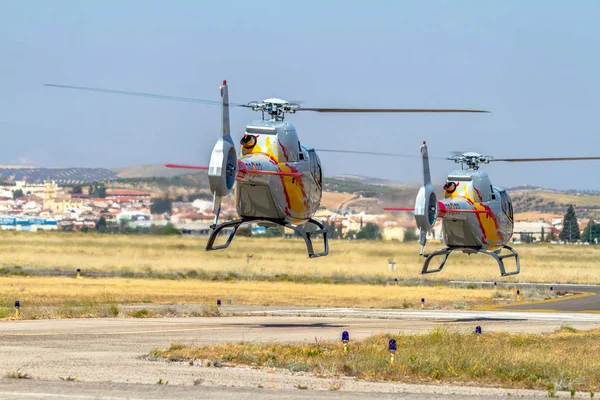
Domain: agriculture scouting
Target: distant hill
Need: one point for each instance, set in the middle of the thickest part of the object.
(150, 171)
(360, 178)
(60, 175)
(527, 200)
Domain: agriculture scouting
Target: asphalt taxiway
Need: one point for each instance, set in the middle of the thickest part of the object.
(74, 358)
(581, 298)
(107, 358)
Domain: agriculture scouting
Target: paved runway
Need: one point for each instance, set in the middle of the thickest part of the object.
(106, 358)
(111, 352)
(587, 299)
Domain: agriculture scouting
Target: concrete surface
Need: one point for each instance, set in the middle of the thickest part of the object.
(106, 357)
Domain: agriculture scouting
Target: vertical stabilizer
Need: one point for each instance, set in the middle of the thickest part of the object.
(426, 173)
(426, 207)
(222, 167)
(225, 128)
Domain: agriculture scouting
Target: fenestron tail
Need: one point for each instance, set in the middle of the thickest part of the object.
(426, 205)
(222, 168)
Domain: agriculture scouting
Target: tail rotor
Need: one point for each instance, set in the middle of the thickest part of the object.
(426, 205)
(222, 168)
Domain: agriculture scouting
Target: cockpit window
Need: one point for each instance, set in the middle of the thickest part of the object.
(506, 205)
(315, 167)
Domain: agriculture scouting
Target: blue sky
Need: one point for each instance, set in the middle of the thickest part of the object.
(534, 64)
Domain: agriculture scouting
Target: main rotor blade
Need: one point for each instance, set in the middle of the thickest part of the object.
(374, 153)
(387, 110)
(150, 95)
(545, 159)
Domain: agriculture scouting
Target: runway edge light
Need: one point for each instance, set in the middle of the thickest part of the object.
(478, 330)
(345, 340)
(17, 306)
(219, 303)
(392, 349)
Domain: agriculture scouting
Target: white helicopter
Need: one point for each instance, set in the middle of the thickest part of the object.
(279, 179)
(476, 216)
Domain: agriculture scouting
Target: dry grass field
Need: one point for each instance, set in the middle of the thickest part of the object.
(566, 198)
(283, 259)
(333, 200)
(556, 361)
(92, 295)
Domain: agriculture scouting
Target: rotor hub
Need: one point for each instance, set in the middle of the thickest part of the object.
(275, 108)
(471, 160)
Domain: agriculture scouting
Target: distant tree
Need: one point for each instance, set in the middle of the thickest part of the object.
(276, 231)
(179, 198)
(332, 230)
(101, 225)
(161, 206)
(370, 231)
(340, 232)
(411, 235)
(543, 235)
(591, 231)
(169, 229)
(77, 189)
(245, 231)
(17, 193)
(570, 231)
(98, 190)
(350, 235)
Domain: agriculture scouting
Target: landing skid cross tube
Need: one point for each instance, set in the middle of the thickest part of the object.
(496, 255)
(236, 223)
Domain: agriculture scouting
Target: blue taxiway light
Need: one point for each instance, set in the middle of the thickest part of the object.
(392, 345)
(345, 336)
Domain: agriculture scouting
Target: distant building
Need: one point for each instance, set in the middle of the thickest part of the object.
(525, 228)
(127, 195)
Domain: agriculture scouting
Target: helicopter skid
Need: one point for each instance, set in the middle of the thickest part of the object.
(472, 250)
(236, 223)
